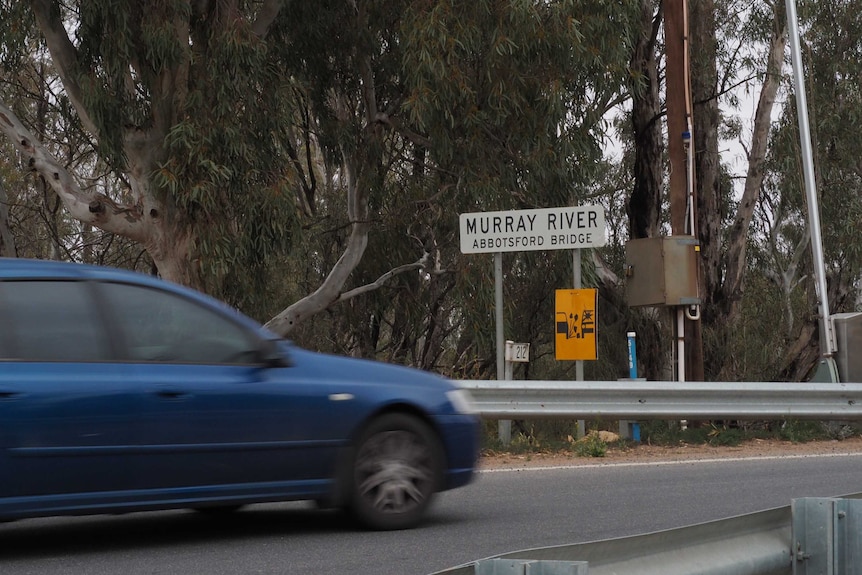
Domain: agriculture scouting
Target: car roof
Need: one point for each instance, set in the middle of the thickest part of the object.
(23, 267)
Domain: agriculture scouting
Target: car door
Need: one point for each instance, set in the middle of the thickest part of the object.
(210, 414)
(66, 404)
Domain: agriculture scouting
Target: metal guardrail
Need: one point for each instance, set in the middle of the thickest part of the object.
(641, 400)
(772, 542)
(796, 539)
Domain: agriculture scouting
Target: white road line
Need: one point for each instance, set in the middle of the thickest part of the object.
(658, 463)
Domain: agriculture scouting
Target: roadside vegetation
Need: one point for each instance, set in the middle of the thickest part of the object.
(547, 437)
(306, 162)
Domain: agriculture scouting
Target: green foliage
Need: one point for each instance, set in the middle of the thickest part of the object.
(220, 168)
(524, 439)
(483, 75)
(592, 445)
(801, 431)
(773, 337)
(660, 432)
(430, 109)
(840, 430)
(495, 105)
(711, 433)
(16, 24)
(733, 433)
(553, 436)
(529, 436)
(724, 436)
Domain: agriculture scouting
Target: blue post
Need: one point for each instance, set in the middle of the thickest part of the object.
(633, 375)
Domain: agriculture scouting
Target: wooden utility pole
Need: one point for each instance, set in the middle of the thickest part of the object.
(677, 111)
(681, 156)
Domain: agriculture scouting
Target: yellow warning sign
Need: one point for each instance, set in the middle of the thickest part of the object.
(575, 325)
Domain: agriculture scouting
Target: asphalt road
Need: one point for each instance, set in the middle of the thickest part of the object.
(502, 511)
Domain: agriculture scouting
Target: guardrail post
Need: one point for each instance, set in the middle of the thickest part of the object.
(827, 536)
(530, 567)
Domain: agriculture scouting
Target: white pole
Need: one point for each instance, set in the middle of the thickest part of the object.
(680, 351)
(828, 344)
(680, 343)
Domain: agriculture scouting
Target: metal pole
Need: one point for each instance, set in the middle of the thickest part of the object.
(680, 360)
(828, 345)
(680, 343)
(579, 364)
(504, 427)
(498, 311)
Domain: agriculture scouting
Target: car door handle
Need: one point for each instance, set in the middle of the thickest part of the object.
(6, 394)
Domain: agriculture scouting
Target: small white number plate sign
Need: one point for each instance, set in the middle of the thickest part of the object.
(517, 352)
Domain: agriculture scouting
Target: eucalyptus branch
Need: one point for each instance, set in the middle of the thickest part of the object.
(64, 56)
(381, 281)
(396, 124)
(97, 209)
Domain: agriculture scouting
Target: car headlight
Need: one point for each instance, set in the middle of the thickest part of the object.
(462, 401)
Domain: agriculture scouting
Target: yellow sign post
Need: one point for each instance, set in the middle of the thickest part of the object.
(576, 323)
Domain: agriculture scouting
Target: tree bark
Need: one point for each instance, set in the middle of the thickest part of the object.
(707, 195)
(64, 56)
(644, 206)
(704, 86)
(731, 292)
(144, 222)
(96, 209)
(7, 240)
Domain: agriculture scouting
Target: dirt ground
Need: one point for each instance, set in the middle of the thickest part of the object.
(644, 453)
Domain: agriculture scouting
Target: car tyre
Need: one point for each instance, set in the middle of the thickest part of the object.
(396, 470)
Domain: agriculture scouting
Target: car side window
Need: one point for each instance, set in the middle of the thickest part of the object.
(162, 327)
(48, 320)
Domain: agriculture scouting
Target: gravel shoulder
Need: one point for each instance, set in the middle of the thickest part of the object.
(645, 453)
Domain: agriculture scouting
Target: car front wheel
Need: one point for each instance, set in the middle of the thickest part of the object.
(395, 472)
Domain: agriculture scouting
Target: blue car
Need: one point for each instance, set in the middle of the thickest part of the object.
(120, 392)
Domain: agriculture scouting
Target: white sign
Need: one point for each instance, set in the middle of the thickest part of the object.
(517, 352)
(565, 228)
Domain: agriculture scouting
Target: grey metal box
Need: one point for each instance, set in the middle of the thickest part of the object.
(662, 271)
(848, 336)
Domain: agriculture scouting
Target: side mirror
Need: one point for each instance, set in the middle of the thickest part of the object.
(271, 354)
